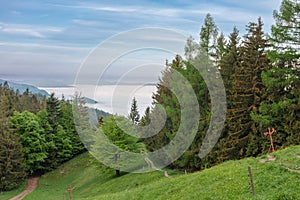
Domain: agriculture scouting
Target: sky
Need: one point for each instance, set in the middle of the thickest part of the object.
(45, 43)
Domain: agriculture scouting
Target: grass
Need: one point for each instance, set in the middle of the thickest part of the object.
(10, 194)
(272, 180)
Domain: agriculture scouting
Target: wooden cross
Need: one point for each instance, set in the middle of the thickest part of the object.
(70, 189)
(271, 139)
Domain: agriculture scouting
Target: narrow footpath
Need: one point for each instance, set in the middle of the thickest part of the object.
(32, 184)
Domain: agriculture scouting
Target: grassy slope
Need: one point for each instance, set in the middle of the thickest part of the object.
(226, 181)
(8, 195)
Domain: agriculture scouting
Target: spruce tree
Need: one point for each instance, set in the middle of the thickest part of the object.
(12, 172)
(208, 35)
(134, 115)
(254, 62)
(81, 116)
(285, 34)
(242, 70)
(53, 111)
(164, 99)
(220, 49)
(67, 122)
(172, 79)
(285, 38)
(281, 107)
(229, 66)
(145, 120)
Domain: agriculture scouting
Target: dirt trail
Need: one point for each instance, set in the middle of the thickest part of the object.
(32, 183)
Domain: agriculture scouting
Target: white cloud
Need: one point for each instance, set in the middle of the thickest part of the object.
(86, 22)
(23, 31)
(39, 68)
(189, 17)
(110, 9)
(29, 30)
(255, 5)
(135, 10)
(41, 64)
(75, 51)
(42, 46)
(96, 7)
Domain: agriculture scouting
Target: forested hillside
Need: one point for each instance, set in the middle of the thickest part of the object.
(260, 73)
(36, 135)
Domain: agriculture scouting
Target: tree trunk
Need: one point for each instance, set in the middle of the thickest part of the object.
(118, 172)
(116, 159)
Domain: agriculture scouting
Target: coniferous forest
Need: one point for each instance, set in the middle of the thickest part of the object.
(261, 77)
(260, 72)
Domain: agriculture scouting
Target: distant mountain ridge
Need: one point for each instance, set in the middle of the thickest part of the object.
(35, 90)
(22, 88)
(40, 93)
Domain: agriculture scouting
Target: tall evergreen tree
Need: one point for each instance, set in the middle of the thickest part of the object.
(220, 49)
(12, 172)
(5, 108)
(251, 89)
(229, 65)
(281, 107)
(67, 122)
(58, 145)
(145, 120)
(285, 34)
(134, 115)
(172, 80)
(208, 35)
(63, 146)
(254, 57)
(53, 111)
(81, 116)
(242, 70)
(50, 140)
(165, 99)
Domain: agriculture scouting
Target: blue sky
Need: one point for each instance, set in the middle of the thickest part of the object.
(43, 42)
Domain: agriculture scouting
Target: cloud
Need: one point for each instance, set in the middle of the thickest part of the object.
(43, 48)
(29, 30)
(47, 68)
(135, 10)
(253, 5)
(86, 22)
(22, 31)
(62, 38)
(187, 16)
(41, 64)
(110, 9)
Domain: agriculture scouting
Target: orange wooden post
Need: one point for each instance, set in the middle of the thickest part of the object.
(70, 189)
(271, 139)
